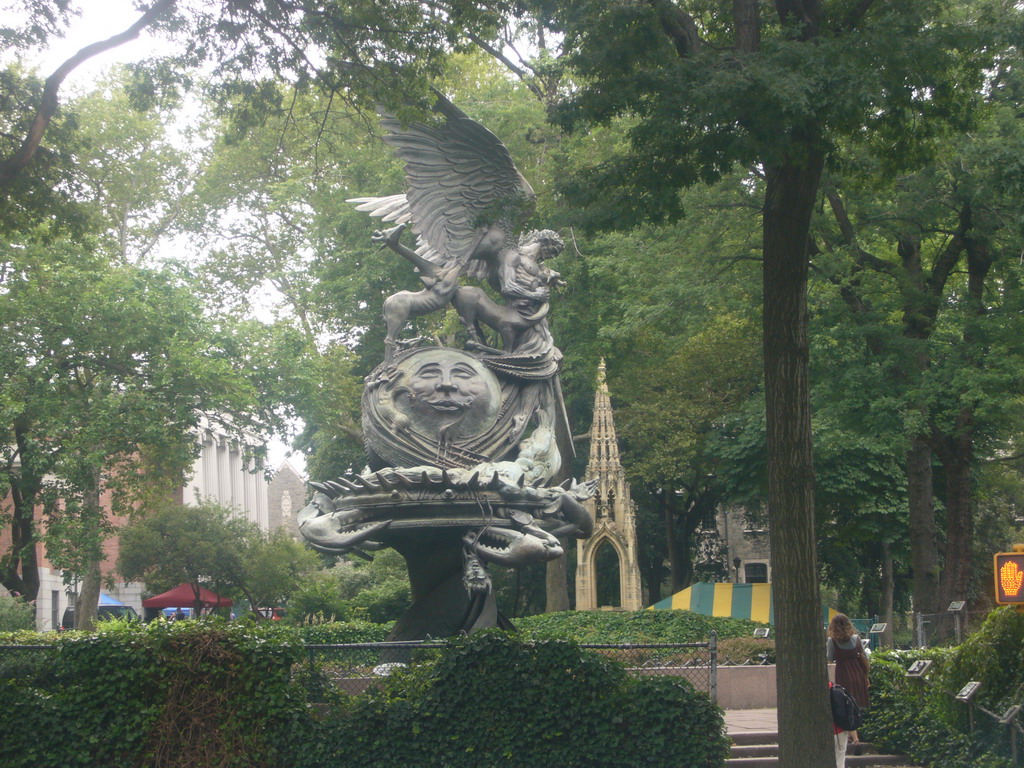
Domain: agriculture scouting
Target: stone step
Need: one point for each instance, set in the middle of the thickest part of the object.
(760, 750)
(754, 750)
(852, 761)
(755, 737)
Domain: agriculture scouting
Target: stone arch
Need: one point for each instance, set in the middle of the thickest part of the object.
(587, 572)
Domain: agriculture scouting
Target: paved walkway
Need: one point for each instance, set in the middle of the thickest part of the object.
(751, 720)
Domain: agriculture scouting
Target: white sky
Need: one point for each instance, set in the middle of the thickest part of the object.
(99, 20)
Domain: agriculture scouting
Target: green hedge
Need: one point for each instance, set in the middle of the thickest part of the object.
(207, 692)
(493, 701)
(223, 695)
(926, 722)
(354, 631)
(632, 626)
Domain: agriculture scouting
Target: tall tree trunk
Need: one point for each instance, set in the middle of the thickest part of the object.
(805, 735)
(88, 599)
(557, 583)
(888, 592)
(924, 540)
(671, 545)
(956, 452)
(19, 567)
(921, 300)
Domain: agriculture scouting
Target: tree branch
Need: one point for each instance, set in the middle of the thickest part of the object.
(12, 166)
(864, 259)
(522, 74)
(804, 14)
(950, 255)
(853, 18)
(679, 26)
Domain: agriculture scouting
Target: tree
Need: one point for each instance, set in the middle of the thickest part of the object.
(55, 14)
(110, 370)
(135, 175)
(389, 55)
(376, 591)
(922, 267)
(706, 88)
(678, 411)
(208, 546)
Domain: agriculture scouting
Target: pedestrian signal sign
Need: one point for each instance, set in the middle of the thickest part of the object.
(1009, 568)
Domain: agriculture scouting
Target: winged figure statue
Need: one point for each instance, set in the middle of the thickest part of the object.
(466, 203)
(462, 444)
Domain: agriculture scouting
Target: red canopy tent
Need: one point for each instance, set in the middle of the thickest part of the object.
(183, 596)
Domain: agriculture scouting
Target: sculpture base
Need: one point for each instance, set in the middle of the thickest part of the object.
(447, 611)
(442, 606)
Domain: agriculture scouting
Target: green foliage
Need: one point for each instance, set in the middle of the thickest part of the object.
(219, 695)
(490, 700)
(317, 600)
(16, 614)
(741, 649)
(207, 545)
(632, 627)
(377, 591)
(901, 75)
(927, 723)
(354, 631)
(130, 691)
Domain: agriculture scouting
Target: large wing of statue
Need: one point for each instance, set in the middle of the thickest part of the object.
(460, 177)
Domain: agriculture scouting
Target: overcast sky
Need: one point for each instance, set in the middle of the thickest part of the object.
(99, 20)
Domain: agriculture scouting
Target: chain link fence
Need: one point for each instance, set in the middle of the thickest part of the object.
(352, 668)
(31, 665)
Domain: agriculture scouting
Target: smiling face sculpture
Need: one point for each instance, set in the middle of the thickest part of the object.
(448, 395)
(433, 406)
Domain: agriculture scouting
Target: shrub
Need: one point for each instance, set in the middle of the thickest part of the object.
(490, 700)
(738, 650)
(317, 597)
(926, 722)
(344, 632)
(16, 614)
(208, 692)
(224, 695)
(632, 626)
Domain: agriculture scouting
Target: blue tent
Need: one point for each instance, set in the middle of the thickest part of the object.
(106, 599)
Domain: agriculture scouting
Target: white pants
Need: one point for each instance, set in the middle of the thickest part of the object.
(841, 740)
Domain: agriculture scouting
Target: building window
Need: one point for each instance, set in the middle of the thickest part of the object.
(755, 573)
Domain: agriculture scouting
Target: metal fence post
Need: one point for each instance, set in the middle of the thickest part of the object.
(713, 648)
(920, 630)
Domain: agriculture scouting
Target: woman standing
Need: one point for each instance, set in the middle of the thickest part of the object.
(846, 650)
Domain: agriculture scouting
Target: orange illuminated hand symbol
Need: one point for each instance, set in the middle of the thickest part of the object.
(1011, 577)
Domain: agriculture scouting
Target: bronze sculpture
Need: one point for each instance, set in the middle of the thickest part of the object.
(461, 442)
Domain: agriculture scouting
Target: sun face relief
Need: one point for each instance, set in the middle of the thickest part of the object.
(445, 386)
(447, 393)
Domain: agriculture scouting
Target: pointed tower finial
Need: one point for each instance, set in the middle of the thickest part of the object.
(601, 370)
